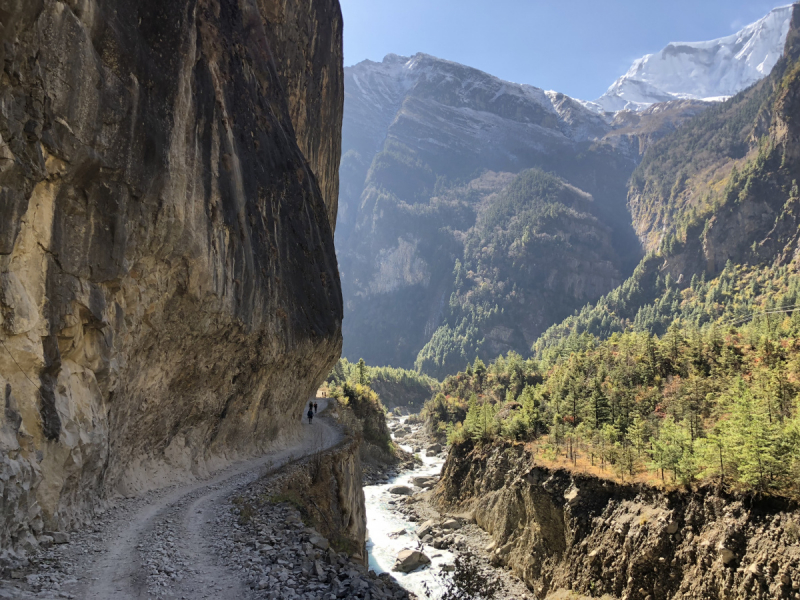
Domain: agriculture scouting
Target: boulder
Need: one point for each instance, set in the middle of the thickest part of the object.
(319, 541)
(726, 555)
(672, 527)
(410, 560)
(451, 524)
(401, 490)
(426, 528)
(59, 537)
(423, 481)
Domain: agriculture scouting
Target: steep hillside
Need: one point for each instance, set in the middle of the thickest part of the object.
(729, 173)
(169, 292)
(536, 253)
(426, 144)
(577, 536)
(716, 200)
(396, 388)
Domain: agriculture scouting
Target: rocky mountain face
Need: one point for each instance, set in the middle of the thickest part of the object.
(169, 292)
(581, 536)
(427, 146)
(710, 70)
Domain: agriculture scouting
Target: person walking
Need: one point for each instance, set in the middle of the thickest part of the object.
(310, 413)
(315, 408)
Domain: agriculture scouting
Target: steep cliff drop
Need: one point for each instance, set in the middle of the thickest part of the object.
(169, 292)
(568, 535)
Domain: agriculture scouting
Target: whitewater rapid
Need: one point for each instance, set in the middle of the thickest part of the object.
(382, 520)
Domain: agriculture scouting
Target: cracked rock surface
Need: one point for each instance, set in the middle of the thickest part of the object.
(169, 292)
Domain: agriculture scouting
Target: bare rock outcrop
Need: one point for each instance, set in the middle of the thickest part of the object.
(561, 531)
(169, 292)
(326, 487)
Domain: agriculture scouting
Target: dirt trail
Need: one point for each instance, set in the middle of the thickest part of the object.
(173, 533)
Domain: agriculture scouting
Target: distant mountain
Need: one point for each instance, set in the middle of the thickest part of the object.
(711, 70)
(429, 147)
(716, 205)
(475, 213)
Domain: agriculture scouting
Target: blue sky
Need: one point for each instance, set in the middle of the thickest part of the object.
(578, 47)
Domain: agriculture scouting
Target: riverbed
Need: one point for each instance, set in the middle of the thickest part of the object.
(383, 520)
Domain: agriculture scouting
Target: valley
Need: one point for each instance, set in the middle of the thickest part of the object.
(273, 327)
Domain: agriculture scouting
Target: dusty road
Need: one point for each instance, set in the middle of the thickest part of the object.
(169, 535)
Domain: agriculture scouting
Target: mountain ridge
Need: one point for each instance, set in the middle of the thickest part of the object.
(710, 70)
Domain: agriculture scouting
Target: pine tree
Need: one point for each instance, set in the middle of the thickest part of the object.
(362, 373)
(754, 440)
(638, 435)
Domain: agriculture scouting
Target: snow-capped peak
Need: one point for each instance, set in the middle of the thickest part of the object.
(711, 70)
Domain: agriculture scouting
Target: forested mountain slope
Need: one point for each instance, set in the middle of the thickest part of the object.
(715, 204)
(427, 143)
(537, 251)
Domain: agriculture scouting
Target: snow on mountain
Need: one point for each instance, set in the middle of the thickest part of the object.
(375, 92)
(712, 70)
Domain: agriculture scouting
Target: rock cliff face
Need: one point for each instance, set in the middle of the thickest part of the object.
(169, 293)
(327, 488)
(558, 531)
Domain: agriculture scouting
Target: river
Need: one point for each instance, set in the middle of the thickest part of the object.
(382, 520)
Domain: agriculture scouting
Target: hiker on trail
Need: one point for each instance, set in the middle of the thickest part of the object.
(310, 412)
(315, 408)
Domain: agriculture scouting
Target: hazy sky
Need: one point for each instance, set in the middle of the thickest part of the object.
(578, 47)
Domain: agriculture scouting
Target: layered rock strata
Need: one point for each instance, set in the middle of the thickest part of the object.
(169, 293)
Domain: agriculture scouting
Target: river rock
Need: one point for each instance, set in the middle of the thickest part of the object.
(424, 482)
(410, 560)
(451, 524)
(398, 533)
(401, 490)
(426, 528)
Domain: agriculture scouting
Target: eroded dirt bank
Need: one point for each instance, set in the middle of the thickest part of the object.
(559, 531)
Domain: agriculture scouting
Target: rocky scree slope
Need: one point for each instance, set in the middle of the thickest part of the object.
(170, 293)
(561, 531)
